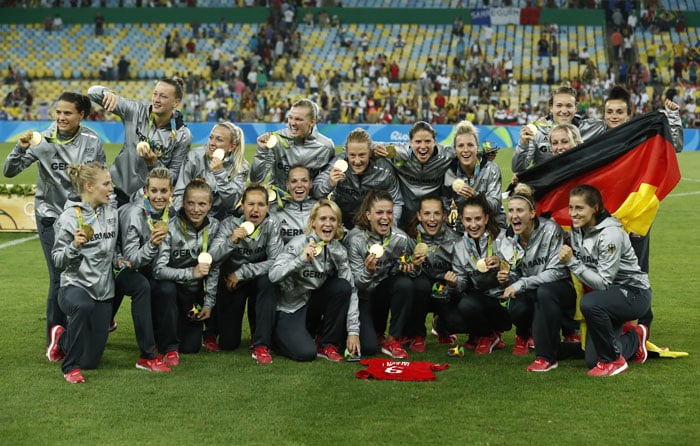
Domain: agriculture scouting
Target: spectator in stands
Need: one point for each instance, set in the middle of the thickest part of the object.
(63, 143)
(616, 39)
(543, 47)
(99, 24)
(57, 23)
(458, 27)
(160, 125)
(48, 23)
(123, 68)
(583, 56)
(400, 42)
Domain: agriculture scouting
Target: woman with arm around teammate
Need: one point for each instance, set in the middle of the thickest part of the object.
(185, 269)
(159, 126)
(221, 162)
(540, 291)
(84, 251)
(63, 143)
(317, 299)
(378, 254)
(602, 258)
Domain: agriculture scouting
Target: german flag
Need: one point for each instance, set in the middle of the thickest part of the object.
(634, 166)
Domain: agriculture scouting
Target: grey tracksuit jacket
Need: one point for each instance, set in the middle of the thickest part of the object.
(227, 186)
(89, 267)
(135, 235)
(316, 153)
(488, 182)
(538, 262)
(297, 276)
(469, 251)
(603, 256)
(291, 216)
(129, 171)
(358, 242)
(177, 257)
(54, 187)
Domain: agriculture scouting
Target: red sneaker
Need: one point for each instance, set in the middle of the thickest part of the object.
(112, 326)
(171, 358)
(542, 365)
(530, 343)
(640, 356)
(627, 326)
(152, 365)
(330, 353)
(573, 337)
(53, 351)
(393, 348)
(74, 376)
(485, 345)
(210, 344)
(262, 355)
(520, 347)
(609, 368)
(417, 344)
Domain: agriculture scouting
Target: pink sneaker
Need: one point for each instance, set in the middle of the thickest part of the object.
(330, 353)
(262, 355)
(74, 376)
(393, 348)
(152, 365)
(171, 358)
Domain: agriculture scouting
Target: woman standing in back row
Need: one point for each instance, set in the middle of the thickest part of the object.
(159, 125)
(62, 144)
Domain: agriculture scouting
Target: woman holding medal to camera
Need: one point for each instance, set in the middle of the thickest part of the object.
(222, 164)
(184, 268)
(539, 289)
(154, 135)
(355, 173)
(85, 252)
(143, 226)
(470, 174)
(477, 308)
(383, 272)
(318, 299)
(602, 258)
(432, 257)
(246, 247)
(63, 143)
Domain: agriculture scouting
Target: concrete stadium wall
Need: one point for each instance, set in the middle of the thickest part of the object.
(501, 136)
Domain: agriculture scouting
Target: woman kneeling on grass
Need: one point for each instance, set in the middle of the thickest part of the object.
(184, 268)
(601, 256)
(383, 272)
(317, 293)
(84, 251)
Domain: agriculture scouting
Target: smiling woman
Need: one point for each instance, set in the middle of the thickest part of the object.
(63, 143)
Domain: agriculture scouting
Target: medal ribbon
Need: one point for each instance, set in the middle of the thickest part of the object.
(385, 243)
(471, 180)
(54, 137)
(147, 211)
(79, 214)
(430, 250)
(205, 239)
(256, 232)
(173, 131)
(471, 250)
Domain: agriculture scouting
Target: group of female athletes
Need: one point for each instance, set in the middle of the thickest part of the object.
(332, 250)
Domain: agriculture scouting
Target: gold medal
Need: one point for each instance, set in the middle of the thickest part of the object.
(248, 226)
(341, 165)
(205, 257)
(318, 249)
(420, 249)
(142, 148)
(458, 184)
(271, 195)
(36, 139)
(219, 154)
(390, 151)
(481, 266)
(504, 266)
(161, 226)
(271, 141)
(89, 232)
(377, 250)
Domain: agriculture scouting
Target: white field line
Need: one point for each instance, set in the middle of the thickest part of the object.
(695, 180)
(683, 194)
(18, 241)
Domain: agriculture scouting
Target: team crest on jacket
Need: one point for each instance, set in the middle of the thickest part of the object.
(611, 248)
